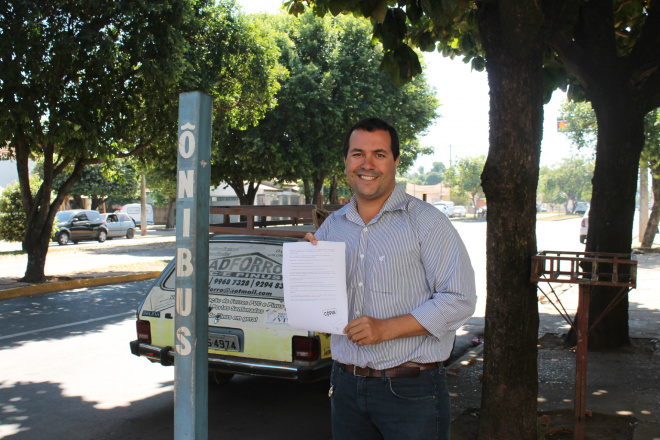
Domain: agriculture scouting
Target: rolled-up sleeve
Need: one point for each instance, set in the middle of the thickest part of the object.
(450, 277)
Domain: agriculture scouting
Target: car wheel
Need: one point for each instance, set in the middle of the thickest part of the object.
(63, 238)
(130, 233)
(217, 378)
(102, 236)
(583, 239)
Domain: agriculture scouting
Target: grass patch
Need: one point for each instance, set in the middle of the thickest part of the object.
(12, 253)
(555, 217)
(469, 218)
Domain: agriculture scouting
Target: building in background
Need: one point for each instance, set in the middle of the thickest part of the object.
(429, 193)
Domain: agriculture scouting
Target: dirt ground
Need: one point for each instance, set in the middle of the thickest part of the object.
(556, 425)
(556, 386)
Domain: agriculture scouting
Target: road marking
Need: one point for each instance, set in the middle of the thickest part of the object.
(72, 324)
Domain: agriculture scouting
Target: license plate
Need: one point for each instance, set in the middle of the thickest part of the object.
(224, 342)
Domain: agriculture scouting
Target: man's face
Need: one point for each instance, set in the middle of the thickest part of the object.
(370, 165)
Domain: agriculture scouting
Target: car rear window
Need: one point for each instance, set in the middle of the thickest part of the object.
(243, 269)
(63, 216)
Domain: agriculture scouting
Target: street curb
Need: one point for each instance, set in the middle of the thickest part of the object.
(38, 289)
(467, 357)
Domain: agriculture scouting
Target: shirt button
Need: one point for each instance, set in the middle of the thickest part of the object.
(361, 255)
(360, 284)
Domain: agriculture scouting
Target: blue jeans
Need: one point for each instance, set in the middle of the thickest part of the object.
(401, 408)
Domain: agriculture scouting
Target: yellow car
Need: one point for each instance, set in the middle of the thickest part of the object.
(248, 331)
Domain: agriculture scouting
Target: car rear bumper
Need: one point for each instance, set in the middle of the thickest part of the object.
(305, 372)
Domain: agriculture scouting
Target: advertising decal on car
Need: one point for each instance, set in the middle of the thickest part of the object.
(246, 286)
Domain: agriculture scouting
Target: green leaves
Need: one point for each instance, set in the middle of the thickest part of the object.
(333, 81)
(568, 180)
(422, 24)
(402, 64)
(393, 29)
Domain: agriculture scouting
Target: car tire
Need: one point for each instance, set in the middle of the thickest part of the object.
(63, 238)
(130, 233)
(102, 236)
(217, 378)
(583, 239)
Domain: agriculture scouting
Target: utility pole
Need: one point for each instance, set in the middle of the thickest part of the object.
(143, 206)
(643, 199)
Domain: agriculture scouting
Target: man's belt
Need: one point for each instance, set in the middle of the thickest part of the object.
(407, 369)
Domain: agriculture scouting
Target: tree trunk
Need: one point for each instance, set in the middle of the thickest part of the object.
(251, 194)
(38, 208)
(36, 247)
(319, 178)
(618, 149)
(334, 195)
(170, 214)
(308, 191)
(654, 218)
(509, 180)
(78, 200)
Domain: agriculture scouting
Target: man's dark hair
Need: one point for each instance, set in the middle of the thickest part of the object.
(374, 124)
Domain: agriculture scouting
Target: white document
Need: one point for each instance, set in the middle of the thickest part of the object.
(314, 278)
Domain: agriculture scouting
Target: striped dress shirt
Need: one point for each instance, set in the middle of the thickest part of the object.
(408, 259)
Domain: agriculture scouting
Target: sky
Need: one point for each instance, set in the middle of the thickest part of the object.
(462, 129)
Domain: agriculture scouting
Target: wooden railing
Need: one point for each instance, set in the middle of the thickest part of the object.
(259, 219)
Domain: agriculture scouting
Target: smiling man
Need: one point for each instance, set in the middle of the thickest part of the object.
(410, 286)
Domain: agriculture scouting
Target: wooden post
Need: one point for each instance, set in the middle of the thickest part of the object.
(581, 361)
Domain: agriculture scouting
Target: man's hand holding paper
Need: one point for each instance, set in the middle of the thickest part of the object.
(314, 279)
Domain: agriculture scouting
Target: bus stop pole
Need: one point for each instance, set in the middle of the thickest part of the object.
(192, 267)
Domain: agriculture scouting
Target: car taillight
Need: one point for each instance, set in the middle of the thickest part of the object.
(143, 331)
(305, 349)
(583, 224)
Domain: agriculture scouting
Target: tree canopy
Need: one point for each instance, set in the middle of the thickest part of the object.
(83, 83)
(567, 182)
(465, 177)
(235, 60)
(333, 81)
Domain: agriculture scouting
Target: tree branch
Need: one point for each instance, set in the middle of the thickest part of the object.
(645, 60)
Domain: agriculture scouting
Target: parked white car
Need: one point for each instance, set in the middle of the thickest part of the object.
(581, 208)
(134, 210)
(584, 227)
(446, 207)
(459, 211)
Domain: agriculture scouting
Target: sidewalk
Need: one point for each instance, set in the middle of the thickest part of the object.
(89, 263)
(623, 386)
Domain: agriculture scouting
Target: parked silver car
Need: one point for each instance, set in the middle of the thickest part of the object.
(584, 227)
(119, 225)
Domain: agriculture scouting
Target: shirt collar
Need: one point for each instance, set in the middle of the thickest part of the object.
(396, 201)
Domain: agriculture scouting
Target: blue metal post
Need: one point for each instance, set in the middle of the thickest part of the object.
(192, 267)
